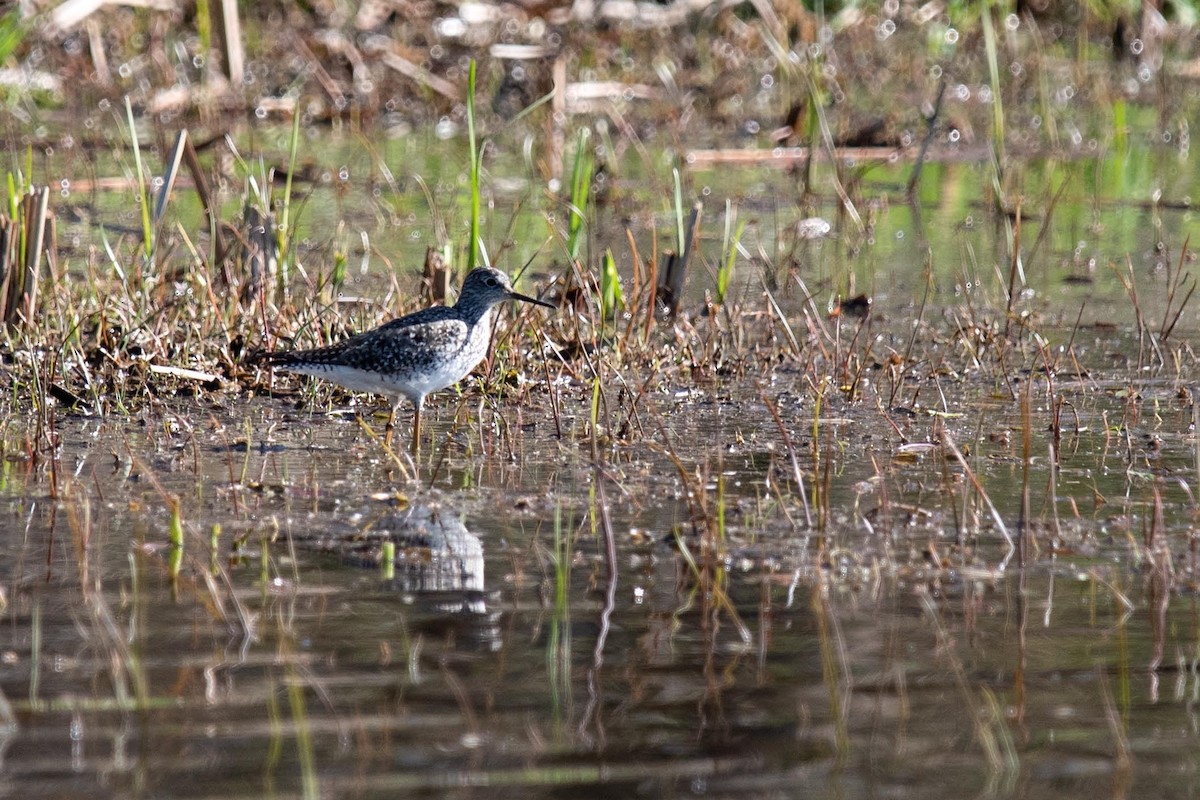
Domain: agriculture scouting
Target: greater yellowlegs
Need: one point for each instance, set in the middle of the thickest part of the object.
(415, 355)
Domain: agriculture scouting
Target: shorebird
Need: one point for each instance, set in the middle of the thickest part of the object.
(415, 355)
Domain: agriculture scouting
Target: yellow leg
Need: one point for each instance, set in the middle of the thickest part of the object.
(416, 434)
(391, 426)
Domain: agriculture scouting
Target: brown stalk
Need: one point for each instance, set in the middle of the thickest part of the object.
(797, 475)
(1026, 456)
(970, 474)
(1044, 231)
(1071, 340)
(553, 395)
(1129, 284)
(787, 329)
(675, 276)
(652, 282)
(1123, 753)
(610, 556)
(639, 289)
(19, 281)
(385, 50)
(912, 340)
(1052, 491)
(930, 127)
(1013, 268)
(1175, 282)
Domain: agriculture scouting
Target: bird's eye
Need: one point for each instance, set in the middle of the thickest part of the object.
(491, 281)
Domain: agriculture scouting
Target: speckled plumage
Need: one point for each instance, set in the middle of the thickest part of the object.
(415, 355)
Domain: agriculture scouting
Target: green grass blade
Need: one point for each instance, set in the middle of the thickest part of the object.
(284, 229)
(611, 296)
(581, 182)
(204, 25)
(680, 240)
(143, 197)
(990, 46)
(730, 245)
(14, 203)
(476, 164)
(13, 30)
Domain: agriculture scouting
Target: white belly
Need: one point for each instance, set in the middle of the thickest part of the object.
(414, 386)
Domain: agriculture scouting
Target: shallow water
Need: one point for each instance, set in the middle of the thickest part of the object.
(885, 654)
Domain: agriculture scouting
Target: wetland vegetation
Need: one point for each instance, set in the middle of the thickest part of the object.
(857, 459)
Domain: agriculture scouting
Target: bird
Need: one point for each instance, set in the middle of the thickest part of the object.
(413, 356)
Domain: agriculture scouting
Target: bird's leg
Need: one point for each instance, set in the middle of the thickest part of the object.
(391, 425)
(416, 433)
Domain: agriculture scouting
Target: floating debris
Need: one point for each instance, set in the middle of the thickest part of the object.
(813, 228)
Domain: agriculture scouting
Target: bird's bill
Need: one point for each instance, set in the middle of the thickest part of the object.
(527, 299)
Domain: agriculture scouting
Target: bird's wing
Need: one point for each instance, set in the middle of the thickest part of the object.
(390, 345)
(399, 341)
(425, 316)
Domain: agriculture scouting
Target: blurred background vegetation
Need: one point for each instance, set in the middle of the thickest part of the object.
(702, 69)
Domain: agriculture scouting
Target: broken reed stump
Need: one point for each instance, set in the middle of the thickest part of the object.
(230, 39)
(672, 279)
(183, 153)
(260, 251)
(435, 280)
(23, 241)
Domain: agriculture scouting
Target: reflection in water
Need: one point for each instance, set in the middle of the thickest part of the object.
(437, 559)
(434, 552)
(870, 682)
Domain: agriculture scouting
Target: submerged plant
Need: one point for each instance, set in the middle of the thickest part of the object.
(558, 646)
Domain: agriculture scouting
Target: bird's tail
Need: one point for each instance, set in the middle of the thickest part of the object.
(266, 357)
